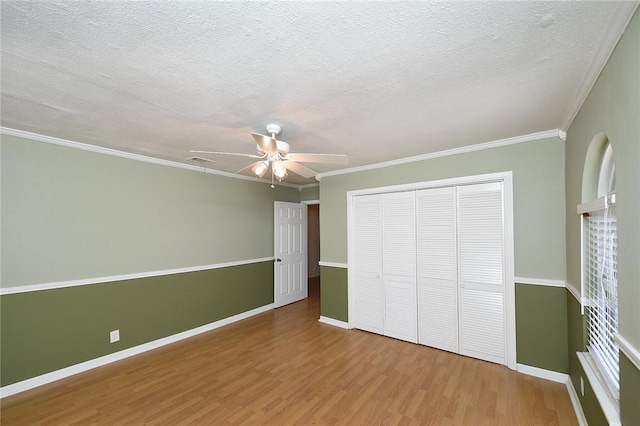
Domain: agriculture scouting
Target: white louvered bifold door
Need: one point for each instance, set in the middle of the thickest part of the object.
(368, 298)
(481, 272)
(399, 265)
(437, 268)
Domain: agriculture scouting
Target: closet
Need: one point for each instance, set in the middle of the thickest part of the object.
(428, 266)
(385, 273)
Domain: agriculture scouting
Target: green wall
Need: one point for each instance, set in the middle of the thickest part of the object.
(71, 214)
(629, 392)
(589, 403)
(541, 315)
(311, 193)
(538, 197)
(333, 293)
(538, 173)
(43, 331)
(612, 107)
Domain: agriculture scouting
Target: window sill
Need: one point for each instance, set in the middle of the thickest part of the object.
(610, 407)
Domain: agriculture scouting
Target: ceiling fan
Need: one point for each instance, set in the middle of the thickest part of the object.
(274, 154)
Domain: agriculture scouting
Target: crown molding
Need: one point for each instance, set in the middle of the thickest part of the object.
(455, 151)
(621, 19)
(131, 156)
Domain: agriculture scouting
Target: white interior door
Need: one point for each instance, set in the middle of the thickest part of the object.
(481, 257)
(367, 272)
(399, 265)
(290, 245)
(437, 268)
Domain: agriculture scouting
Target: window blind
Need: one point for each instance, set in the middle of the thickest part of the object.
(600, 291)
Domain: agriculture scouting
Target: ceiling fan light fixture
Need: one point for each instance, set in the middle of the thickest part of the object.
(260, 168)
(275, 154)
(279, 170)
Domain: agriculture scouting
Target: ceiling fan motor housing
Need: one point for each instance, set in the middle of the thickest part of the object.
(283, 147)
(273, 129)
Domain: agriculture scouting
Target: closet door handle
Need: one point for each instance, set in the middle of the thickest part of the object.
(462, 285)
(278, 260)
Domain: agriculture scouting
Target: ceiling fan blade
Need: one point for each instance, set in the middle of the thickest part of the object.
(244, 169)
(266, 143)
(303, 171)
(318, 158)
(229, 153)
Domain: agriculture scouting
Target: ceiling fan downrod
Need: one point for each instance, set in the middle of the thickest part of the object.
(274, 130)
(272, 185)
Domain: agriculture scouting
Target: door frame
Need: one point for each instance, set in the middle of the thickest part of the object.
(309, 203)
(509, 275)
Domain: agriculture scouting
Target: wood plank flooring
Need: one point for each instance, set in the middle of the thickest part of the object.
(284, 367)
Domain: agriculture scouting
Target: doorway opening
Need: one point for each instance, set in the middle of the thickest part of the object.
(313, 248)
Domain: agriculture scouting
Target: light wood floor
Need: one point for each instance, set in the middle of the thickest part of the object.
(284, 367)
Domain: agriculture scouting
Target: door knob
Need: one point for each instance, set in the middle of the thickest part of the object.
(278, 260)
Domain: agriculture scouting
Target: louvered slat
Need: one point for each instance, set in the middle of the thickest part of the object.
(437, 268)
(481, 269)
(438, 316)
(399, 265)
(440, 253)
(368, 303)
(482, 333)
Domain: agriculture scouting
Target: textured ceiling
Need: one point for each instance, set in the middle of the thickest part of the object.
(376, 81)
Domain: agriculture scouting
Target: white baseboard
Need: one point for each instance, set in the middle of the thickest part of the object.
(554, 376)
(560, 378)
(117, 356)
(575, 401)
(334, 322)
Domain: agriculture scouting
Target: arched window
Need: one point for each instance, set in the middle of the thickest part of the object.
(607, 173)
(599, 261)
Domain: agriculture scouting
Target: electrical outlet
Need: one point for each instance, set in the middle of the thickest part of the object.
(114, 336)
(581, 385)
